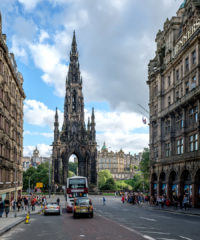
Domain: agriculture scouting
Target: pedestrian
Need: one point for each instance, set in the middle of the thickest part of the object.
(58, 201)
(185, 201)
(1, 207)
(19, 203)
(104, 201)
(123, 198)
(25, 203)
(7, 206)
(33, 204)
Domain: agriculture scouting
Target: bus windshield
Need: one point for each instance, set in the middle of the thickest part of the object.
(77, 183)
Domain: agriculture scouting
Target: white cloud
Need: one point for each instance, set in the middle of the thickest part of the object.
(43, 35)
(44, 149)
(37, 113)
(44, 134)
(29, 4)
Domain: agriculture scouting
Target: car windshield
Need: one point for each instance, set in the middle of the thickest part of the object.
(54, 204)
(83, 202)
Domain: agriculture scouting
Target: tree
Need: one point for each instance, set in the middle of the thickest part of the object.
(110, 184)
(144, 164)
(71, 174)
(103, 175)
(39, 174)
(73, 167)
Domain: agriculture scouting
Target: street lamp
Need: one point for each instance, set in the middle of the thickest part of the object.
(15, 191)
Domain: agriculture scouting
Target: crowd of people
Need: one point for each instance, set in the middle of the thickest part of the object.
(22, 203)
(140, 198)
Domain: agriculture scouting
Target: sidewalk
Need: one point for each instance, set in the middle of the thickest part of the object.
(11, 221)
(189, 211)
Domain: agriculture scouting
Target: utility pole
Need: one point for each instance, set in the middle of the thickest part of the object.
(15, 191)
(49, 180)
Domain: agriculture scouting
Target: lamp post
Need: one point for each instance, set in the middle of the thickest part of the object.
(15, 203)
(49, 180)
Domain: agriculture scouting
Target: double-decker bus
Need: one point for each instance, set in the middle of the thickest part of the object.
(77, 186)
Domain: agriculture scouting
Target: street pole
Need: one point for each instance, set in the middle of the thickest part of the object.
(29, 190)
(49, 181)
(15, 191)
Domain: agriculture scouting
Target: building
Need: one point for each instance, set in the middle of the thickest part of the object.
(11, 122)
(174, 86)
(121, 165)
(74, 137)
(34, 160)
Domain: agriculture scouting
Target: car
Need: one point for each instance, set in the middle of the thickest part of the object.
(69, 205)
(82, 206)
(52, 208)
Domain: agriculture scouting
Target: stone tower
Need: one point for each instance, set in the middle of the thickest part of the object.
(74, 138)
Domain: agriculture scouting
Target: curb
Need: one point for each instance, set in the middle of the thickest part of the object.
(178, 212)
(8, 228)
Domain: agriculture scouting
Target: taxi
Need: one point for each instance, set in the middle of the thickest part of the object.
(82, 206)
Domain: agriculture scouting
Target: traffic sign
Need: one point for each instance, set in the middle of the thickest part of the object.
(39, 185)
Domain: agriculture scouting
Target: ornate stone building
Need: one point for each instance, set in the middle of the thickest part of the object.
(34, 160)
(121, 165)
(11, 122)
(74, 138)
(174, 86)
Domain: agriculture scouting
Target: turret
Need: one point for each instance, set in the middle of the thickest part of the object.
(56, 127)
(93, 131)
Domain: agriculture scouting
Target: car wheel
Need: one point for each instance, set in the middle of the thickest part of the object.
(74, 215)
(91, 215)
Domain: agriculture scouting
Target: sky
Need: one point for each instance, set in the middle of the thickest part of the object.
(116, 40)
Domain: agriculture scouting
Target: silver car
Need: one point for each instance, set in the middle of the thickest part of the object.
(52, 208)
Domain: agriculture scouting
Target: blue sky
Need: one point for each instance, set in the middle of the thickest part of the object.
(116, 40)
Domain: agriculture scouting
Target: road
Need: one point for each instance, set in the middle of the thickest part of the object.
(112, 221)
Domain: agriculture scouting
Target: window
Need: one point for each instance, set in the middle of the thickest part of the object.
(193, 115)
(177, 75)
(193, 85)
(180, 146)
(167, 149)
(169, 81)
(186, 87)
(177, 95)
(156, 152)
(193, 142)
(179, 122)
(167, 127)
(194, 57)
(186, 64)
(169, 100)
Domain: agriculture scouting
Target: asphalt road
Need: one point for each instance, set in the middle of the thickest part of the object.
(114, 221)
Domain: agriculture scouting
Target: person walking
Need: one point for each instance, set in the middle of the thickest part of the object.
(123, 198)
(19, 202)
(185, 201)
(7, 206)
(25, 203)
(58, 201)
(104, 201)
(1, 207)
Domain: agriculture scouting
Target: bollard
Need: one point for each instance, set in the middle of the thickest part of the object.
(27, 219)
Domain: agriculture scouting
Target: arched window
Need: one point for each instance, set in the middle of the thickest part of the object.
(74, 101)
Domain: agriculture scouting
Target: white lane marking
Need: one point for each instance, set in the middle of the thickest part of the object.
(145, 227)
(148, 237)
(82, 235)
(156, 232)
(149, 219)
(185, 238)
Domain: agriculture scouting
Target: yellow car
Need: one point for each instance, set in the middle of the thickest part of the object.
(82, 206)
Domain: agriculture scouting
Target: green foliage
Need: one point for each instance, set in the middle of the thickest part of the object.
(103, 175)
(73, 167)
(39, 174)
(122, 185)
(144, 164)
(71, 174)
(110, 184)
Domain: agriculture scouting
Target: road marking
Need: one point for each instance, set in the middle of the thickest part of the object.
(157, 232)
(82, 235)
(148, 237)
(166, 238)
(149, 219)
(185, 238)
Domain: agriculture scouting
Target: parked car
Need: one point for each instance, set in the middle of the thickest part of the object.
(52, 208)
(82, 206)
(69, 205)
